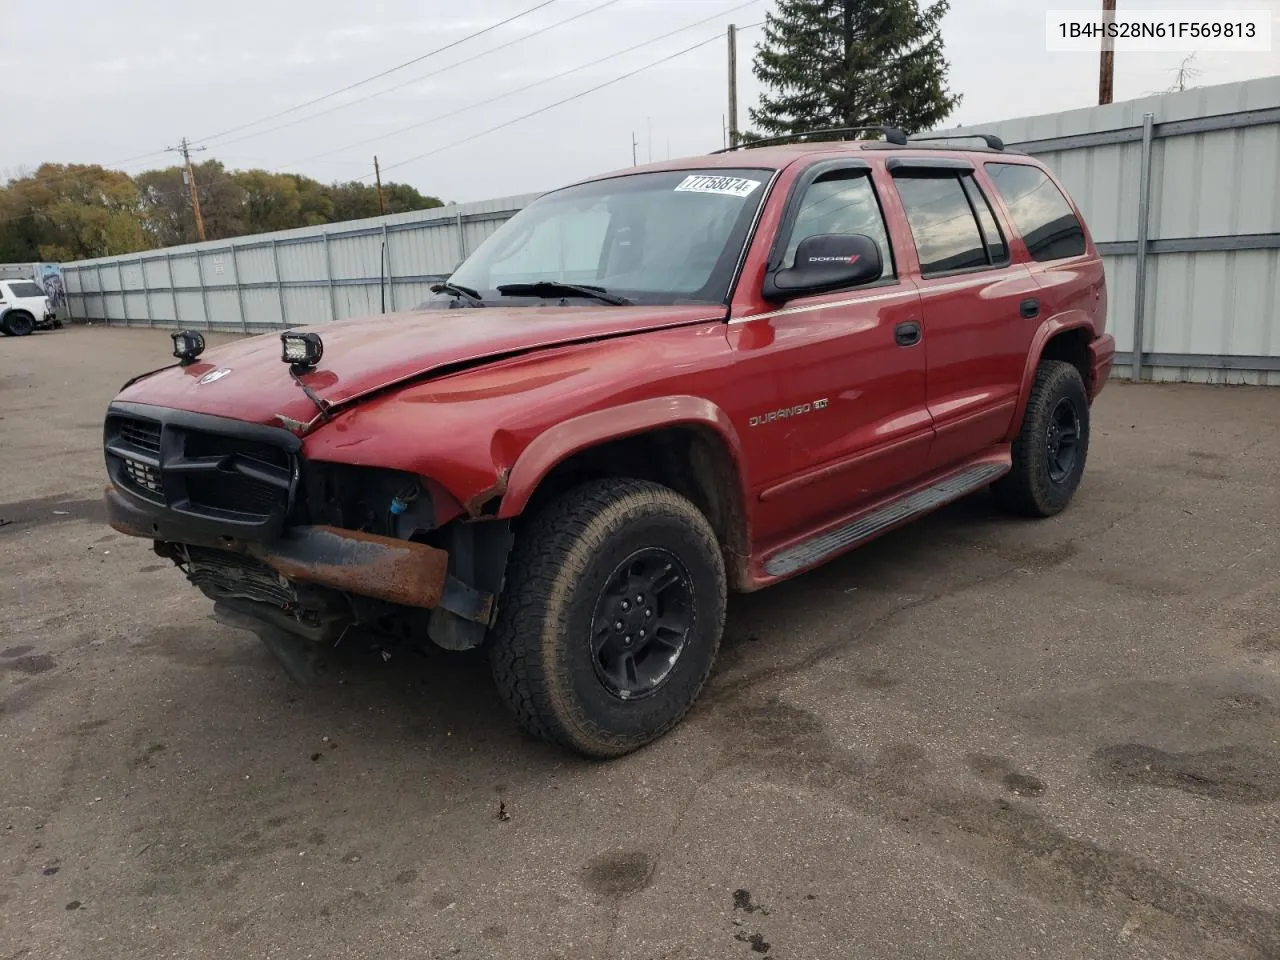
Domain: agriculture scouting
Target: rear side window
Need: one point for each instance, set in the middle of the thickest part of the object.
(25, 288)
(1038, 210)
(943, 223)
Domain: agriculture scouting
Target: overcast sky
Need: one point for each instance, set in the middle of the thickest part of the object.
(108, 82)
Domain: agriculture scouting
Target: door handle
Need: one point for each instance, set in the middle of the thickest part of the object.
(1030, 308)
(907, 334)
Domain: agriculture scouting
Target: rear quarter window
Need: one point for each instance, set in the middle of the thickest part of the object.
(24, 288)
(1038, 210)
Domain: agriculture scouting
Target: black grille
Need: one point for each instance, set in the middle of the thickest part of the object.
(220, 470)
(143, 475)
(212, 445)
(143, 434)
(234, 492)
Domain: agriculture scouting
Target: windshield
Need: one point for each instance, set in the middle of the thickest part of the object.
(660, 238)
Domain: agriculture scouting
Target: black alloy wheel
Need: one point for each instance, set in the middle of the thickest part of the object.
(1062, 440)
(641, 623)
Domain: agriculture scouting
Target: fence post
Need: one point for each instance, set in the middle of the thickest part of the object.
(102, 295)
(124, 297)
(235, 278)
(173, 294)
(275, 262)
(66, 291)
(146, 292)
(204, 294)
(462, 238)
(1140, 268)
(328, 276)
(386, 253)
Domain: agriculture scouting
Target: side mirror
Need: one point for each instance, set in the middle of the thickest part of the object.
(827, 262)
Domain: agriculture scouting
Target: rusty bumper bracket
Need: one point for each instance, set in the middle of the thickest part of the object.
(398, 571)
(385, 568)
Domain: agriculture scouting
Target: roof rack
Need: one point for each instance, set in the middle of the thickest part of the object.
(891, 134)
(990, 139)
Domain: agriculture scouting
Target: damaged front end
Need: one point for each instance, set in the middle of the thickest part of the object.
(300, 551)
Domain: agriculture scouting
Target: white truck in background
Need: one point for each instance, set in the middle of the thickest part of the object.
(27, 303)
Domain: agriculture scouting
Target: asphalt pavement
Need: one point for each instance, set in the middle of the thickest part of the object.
(978, 737)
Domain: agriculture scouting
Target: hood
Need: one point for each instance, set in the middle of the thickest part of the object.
(247, 380)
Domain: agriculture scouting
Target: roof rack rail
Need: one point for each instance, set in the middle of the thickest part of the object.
(990, 139)
(891, 134)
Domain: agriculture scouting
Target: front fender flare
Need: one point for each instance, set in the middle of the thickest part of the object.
(556, 444)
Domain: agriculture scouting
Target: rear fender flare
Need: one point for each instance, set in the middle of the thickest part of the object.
(1050, 328)
(556, 444)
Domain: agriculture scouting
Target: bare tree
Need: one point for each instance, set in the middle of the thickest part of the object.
(1184, 74)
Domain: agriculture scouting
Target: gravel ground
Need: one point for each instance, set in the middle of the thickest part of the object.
(976, 737)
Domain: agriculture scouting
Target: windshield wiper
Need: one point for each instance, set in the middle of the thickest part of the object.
(550, 288)
(471, 297)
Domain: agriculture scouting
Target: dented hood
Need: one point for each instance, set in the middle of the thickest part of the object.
(247, 380)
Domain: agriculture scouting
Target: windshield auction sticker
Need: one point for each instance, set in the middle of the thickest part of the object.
(729, 186)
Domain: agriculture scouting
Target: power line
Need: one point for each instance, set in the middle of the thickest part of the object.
(551, 106)
(376, 76)
(420, 78)
(527, 86)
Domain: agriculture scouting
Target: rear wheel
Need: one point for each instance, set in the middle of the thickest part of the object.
(1050, 449)
(19, 323)
(611, 616)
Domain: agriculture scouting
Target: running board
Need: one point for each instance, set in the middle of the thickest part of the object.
(816, 549)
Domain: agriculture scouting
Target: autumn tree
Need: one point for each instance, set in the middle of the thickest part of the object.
(76, 211)
(70, 212)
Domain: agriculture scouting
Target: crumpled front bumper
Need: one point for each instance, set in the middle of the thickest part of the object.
(397, 571)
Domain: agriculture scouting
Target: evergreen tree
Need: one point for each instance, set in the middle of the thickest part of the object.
(841, 63)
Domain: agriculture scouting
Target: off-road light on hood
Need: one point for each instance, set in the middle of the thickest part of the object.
(301, 350)
(187, 345)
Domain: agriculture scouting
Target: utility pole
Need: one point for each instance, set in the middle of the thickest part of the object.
(1107, 67)
(634, 144)
(733, 85)
(377, 175)
(184, 147)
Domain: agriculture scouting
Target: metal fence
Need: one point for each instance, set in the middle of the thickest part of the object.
(1181, 192)
(293, 277)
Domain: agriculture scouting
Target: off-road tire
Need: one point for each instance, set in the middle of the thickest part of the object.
(1029, 489)
(558, 572)
(18, 323)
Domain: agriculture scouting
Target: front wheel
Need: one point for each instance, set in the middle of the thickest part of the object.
(611, 616)
(19, 324)
(1050, 449)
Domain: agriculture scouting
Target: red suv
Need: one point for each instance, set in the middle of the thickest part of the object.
(643, 391)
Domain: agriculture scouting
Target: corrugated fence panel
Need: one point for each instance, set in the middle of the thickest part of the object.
(255, 265)
(306, 305)
(260, 281)
(1213, 228)
(262, 306)
(303, 262)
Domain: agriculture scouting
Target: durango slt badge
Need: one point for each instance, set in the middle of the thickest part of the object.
(798, 410)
